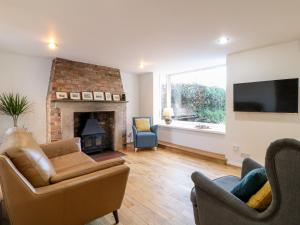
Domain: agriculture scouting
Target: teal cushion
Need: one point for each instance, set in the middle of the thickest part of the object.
(250, 184)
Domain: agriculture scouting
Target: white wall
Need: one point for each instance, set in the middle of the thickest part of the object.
(194, 139)
(28, 76)
(253, 132)
(131, 88)
(146, 94)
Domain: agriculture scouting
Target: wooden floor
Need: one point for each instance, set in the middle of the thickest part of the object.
(159, 187)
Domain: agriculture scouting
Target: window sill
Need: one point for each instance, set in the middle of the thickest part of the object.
(214, 129)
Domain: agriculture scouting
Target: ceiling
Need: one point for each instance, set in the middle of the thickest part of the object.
(168, 35)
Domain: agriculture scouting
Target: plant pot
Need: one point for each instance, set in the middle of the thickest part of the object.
(14, 130)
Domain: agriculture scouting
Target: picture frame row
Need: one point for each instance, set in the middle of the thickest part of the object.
(90, 96)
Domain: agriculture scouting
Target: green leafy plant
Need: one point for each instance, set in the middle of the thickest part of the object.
(13, 105)
(199, 103)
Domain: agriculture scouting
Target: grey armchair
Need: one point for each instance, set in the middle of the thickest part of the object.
(144, 139)
(213, 204)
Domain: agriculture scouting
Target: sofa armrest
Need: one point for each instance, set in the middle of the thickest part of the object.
(134, 130)
(60, 148)
(134, 133)
(86, 169)
(225, 198)
(154, 129)
(79, 182)
(248, 165)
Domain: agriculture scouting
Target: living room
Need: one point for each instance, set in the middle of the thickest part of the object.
(130, 112)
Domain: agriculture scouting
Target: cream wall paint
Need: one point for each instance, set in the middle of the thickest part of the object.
(28, 76)
(131, 86)
(253, 132)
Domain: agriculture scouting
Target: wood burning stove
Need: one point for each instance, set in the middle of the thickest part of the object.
(92, 136)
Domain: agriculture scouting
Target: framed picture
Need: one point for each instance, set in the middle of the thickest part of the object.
(108, 96)
(99, 96)
(61, 95)
(123, 97)
(116, 97)
(75, 96)
(87, 95)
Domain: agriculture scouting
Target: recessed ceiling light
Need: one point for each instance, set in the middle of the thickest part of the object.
(223, 40)
(142, 65)
(52, 44)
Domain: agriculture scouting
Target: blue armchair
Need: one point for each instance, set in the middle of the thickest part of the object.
(143, 139)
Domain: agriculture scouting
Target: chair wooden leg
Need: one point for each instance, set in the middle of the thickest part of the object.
(116, 216)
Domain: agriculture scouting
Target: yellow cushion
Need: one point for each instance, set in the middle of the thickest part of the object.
(142, 124)
(262, 199)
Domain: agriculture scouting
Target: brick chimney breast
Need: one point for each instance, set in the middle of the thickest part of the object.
(70, 76)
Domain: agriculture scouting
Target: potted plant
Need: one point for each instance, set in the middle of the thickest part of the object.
(13, 105)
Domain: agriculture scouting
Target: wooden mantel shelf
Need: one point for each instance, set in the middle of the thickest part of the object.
(70, 100)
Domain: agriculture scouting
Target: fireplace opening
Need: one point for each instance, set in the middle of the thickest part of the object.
(95, 130)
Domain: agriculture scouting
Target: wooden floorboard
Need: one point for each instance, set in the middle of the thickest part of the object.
(159, 185)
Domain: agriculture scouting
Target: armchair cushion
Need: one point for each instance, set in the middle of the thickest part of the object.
(250, 184)
(146, 139)
(85, 168)
(62, 147)
(226, 182)
(142, 124)
(28, 157)
(262, 199)
(70, 161)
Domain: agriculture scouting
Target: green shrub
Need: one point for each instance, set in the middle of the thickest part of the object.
(207, 103)
(209, 116)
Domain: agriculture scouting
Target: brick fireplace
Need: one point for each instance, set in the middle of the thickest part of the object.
(64, 116)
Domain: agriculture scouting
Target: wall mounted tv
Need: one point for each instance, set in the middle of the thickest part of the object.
(267, 96)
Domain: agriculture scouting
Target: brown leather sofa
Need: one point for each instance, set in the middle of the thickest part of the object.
(59, 185)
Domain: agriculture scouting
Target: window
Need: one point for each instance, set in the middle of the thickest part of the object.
(195, 96)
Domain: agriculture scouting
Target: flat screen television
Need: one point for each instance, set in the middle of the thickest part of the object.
(267, 96)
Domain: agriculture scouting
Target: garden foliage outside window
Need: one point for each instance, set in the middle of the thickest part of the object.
(196, 96)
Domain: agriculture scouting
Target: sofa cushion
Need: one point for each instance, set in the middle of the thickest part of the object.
(250, 184)
(146, 139)
(142, 124)
(85, 168)
(28, 157)
(262, 199)
(70, 161)
(146, 134)
(227, 182)
(62, 147)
